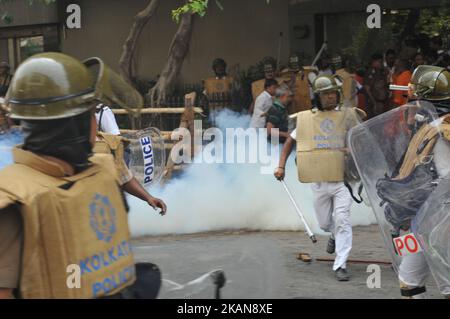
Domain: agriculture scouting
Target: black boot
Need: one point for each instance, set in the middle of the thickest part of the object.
(342, 274)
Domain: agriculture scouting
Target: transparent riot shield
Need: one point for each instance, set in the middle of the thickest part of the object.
(395, 172)
(432, 229)
(147, 156)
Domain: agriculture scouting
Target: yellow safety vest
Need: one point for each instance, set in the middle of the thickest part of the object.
(320, 140)
(70, 221)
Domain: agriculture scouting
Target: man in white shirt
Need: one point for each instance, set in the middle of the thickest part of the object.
(106, 120)
(263, 103)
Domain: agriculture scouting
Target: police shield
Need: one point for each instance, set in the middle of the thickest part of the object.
(392, 153)
(147, 157)
(432, 229)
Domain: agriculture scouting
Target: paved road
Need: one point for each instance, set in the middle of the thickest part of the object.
(264, 265)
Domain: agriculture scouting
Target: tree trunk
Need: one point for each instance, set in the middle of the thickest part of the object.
(177, 53)
(140, 21)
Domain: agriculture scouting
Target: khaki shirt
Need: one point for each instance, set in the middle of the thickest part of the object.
(109, 144)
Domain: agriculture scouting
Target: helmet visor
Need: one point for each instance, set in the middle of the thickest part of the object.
(113, 90)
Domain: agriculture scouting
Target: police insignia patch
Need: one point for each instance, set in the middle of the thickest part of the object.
(103, 218)
(327, 126)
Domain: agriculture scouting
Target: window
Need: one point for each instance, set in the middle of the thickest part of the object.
(29, 46)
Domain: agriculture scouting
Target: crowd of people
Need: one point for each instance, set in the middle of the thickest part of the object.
(365, 85)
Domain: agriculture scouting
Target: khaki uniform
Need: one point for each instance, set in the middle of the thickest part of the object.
(349, 90)
(115, 145)
(77, 220)
(214, 85)
(220, 88)
(301, 90)
(258, 87)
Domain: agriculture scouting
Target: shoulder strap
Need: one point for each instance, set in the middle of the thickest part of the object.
(102, 111)
(350, 189)
(113, 141)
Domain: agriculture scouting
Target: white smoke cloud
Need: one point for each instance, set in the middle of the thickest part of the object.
(7, 142)
(215, 197)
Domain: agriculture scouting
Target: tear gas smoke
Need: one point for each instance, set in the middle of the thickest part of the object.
(215, 197)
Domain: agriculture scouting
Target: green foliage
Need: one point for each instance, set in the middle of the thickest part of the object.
(435, 21)
(192, 6)
(431, 22)
(198, 7)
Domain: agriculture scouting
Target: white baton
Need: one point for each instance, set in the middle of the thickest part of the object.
(299, 212)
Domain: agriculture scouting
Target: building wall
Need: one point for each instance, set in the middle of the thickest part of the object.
(27, 21)
(303, 43)
(334, 6)
(244, 32)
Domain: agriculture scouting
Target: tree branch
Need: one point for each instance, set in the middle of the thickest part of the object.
(177, 53)
(129, 47)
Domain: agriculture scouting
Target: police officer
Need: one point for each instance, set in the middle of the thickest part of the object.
(269, 65)
(320, 138)
(300, 80)
(219, 89)
(345, 69)
(221, 82)
(411, 203)
(61, 207)
(431, 84)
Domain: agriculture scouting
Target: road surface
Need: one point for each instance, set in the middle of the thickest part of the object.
(265, 265)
